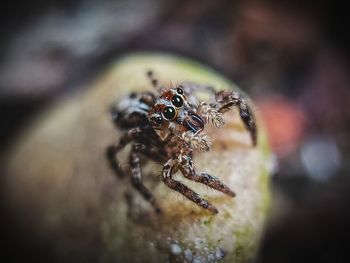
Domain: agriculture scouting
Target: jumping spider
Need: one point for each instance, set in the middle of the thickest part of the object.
(166, 126)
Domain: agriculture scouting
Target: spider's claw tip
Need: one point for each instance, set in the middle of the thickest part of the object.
(232, 194)
(214, 210)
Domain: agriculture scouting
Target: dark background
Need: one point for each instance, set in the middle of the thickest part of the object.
(291, 58)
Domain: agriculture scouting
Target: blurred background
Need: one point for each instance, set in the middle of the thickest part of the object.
(292, 58)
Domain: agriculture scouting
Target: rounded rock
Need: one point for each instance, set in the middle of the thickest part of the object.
(62, 191)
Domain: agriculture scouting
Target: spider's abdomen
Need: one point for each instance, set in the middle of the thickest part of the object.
(132, 110)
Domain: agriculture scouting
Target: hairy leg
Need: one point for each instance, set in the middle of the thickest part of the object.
(190, 173)
(210, 114)
(225, 100)
(113, 150)
(168, 170)
(154, 81)
(199, 141)
(136, 176)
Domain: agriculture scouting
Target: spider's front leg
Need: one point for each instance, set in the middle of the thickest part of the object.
(167, 175)
(225, 100)
(136, 175)
(210, 114)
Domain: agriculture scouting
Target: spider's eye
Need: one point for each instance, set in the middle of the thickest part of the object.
(177, 101)
(169, 113)
(180, 91)
(157, 120)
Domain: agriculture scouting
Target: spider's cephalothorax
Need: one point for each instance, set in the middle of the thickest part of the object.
(171, 114)
(166, 126)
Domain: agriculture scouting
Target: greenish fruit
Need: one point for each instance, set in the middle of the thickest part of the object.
(61, 190)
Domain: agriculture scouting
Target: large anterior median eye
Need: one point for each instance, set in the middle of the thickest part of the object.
(169, 113)
(177, 101)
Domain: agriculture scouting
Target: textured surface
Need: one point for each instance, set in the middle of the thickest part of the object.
(71, 200)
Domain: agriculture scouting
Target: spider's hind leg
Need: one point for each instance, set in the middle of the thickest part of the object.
(136, 176)
(111, 154)
(113, 150)
(154, 81)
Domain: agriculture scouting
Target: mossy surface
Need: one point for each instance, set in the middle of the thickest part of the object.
(80, 208)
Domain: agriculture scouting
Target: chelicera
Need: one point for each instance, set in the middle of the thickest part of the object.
(166, 126)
